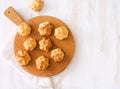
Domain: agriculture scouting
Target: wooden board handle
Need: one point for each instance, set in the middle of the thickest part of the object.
(13, 15)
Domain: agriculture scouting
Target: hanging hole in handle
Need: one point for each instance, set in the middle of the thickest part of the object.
(9, 12)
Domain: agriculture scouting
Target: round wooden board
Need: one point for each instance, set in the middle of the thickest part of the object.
(67, 46)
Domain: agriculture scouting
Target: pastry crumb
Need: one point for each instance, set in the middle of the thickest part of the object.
(42, 63)
(45, 44)
(23, 57)
(57, 54)
(61, 33)
(30, 44)
(45, 28)
(36, 5)
(24, 29)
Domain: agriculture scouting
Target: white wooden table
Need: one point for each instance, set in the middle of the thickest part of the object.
(95, 25)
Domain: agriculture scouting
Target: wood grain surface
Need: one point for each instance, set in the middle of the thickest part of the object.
(13, 15)
(67, 45)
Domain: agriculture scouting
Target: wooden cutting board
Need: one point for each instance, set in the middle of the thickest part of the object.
(67, 45)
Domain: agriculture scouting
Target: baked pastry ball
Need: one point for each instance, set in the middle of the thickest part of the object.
(45, 28)
(23, 57)
(24, 29)
(36, 5)
(42, 63)
(61, 33)
(45, 44)
(30, 44)
(57, 54)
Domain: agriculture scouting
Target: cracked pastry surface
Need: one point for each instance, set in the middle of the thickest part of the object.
(30, 44)
(24, 29)
(45, 44)
(23, 57)
(42, 63)
(45, 28)
(36, 5)
(57, 54)
(61, 33)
